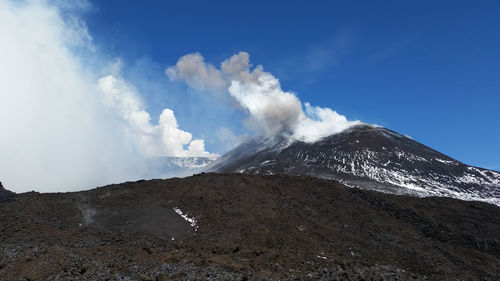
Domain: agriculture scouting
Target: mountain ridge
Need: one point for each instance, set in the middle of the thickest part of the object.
(366, 156)
(5, 195)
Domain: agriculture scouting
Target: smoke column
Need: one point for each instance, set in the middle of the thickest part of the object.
(270, 110)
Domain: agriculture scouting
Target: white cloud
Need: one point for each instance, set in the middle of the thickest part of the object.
(163, 139)
(270, 109)
(55, 132)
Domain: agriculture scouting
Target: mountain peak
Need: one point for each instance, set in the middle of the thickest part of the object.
(369, 157)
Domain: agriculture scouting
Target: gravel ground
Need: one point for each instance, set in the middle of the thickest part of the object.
(242, 227)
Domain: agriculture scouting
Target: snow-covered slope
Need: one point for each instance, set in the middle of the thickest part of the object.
(166, 167)
(367, 157)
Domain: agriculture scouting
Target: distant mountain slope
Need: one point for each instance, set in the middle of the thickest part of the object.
(166, 167)
(368, 157)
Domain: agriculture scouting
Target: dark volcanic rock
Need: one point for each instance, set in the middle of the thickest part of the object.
(5, 195)
(367, 157)
(244, 227)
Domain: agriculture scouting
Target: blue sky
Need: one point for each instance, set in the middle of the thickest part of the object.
(428, 69)
(92, 90)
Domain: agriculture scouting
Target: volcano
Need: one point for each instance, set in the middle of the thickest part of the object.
(368, 157)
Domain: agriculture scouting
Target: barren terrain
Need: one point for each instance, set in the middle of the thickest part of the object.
(244, 227)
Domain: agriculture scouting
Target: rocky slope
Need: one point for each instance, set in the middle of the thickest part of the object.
(366, 157)
(244, 227)
(5, 195)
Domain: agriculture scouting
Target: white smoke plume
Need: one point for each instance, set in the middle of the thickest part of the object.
(228, 139)
(56, 134)
(271, 110)
(198, 74)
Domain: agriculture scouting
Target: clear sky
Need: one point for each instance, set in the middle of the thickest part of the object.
(428, 69)
(92, 89)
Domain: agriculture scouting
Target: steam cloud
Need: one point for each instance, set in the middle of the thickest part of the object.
(271, 110)
(61, 127)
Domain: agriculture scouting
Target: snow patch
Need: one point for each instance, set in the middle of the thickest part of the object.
(321, 256)
(444, 161)
(192, 221)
